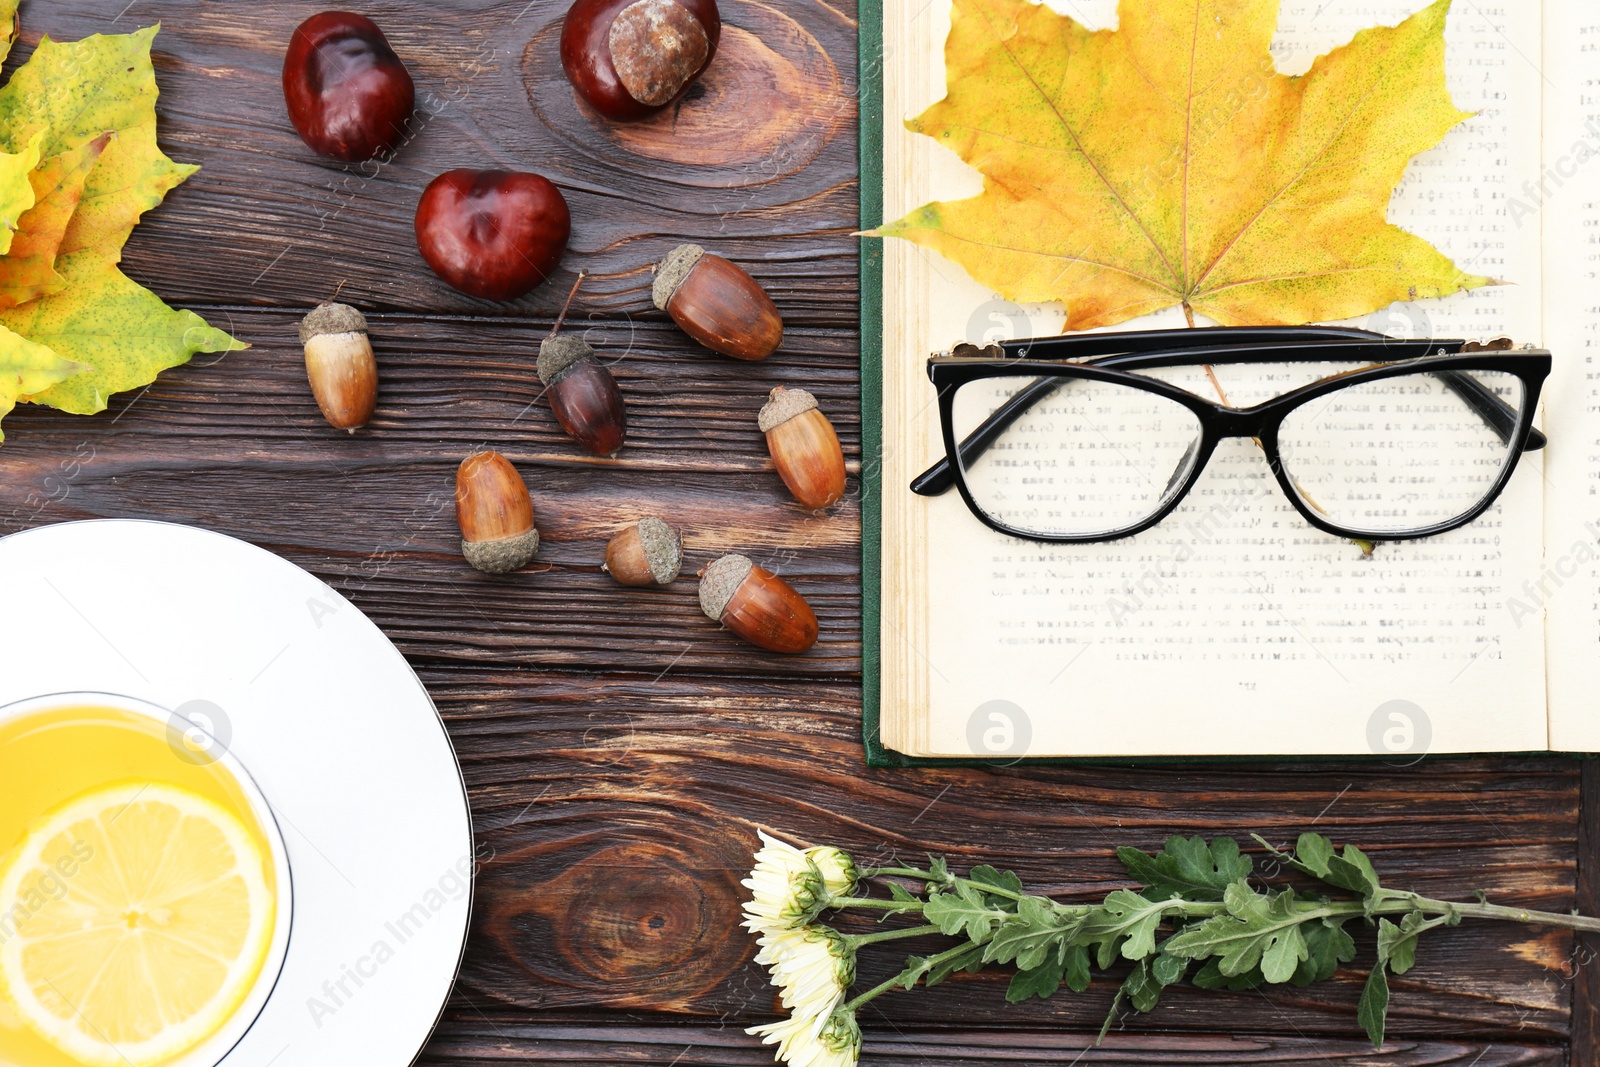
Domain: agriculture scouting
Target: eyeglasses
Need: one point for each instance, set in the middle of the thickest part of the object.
(1082, 439)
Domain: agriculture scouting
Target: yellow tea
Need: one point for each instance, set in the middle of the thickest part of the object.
(138, 892)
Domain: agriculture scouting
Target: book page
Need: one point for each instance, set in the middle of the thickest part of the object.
(1564, 202)
(1233, 627)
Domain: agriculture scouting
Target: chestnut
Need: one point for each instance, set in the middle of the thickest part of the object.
(492, 233)
(348, 94)
(630, 58)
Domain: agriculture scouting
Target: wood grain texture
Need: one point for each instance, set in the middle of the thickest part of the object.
(478, 1038)
(619, 750)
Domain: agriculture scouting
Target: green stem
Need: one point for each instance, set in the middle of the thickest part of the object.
(900, 872)
(890, 935)
(874, 902)
(889, 983)
(1493, 911)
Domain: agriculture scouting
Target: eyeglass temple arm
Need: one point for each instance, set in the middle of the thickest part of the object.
(1500, 416)
(939, 478)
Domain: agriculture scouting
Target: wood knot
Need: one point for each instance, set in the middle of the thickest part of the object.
(649, 922)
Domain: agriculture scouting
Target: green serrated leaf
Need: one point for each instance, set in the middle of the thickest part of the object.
(1075, 967)
(969, 960)
(1353, 871)
(1210, 976)
(1038, 981)
(1141, 988)
(909, 902)
(1328, 944)
(1397, 945)
(1168, 969)
(939, 869)
(1312, 853)
(1257, 931)
(1027, 937)
(916, 967)
(962, 912)
(987, 875)
(1188, 868)
(1374, 1006)
(1125, 921)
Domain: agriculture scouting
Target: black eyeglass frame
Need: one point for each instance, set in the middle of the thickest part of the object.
(1261, 421)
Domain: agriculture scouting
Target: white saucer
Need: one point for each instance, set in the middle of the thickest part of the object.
(328, 719)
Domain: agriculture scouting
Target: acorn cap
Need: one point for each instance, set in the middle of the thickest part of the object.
(671, 271)
(663, 549)
(503, 554)
(784, 404)
(560, 352)
(331, 318)
(719, 581)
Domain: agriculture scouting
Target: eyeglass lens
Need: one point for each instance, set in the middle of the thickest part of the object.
(1092, 458)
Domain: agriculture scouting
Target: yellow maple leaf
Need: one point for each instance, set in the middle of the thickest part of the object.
(122, 331)
(75, 91)
(1167, 162)
(28, 271)
(27, 367)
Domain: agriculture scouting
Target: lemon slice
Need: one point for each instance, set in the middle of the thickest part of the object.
(139, 917)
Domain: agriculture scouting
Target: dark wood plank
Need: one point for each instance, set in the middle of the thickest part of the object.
(1584, 963)
(480, 1039)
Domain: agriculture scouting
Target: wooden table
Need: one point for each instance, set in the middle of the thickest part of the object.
(620, 750)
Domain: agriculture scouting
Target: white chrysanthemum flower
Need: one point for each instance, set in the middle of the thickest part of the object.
(803, 1043)
(789, 887)
(837, 868)
(811, 966)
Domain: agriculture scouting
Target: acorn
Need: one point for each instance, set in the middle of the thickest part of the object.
(757, 605)
(340, 365)
(804, 447)
(647, 552)
(717, 303)
(582, 392)
(495, 514)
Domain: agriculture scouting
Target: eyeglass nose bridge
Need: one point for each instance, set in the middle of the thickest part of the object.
(1236, 422)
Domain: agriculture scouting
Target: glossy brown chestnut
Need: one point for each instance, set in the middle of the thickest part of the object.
(492, 233)
(582, 392)
(348, 94)
(757, 605)
(717, 303)
(804, 447)
(630, 58)
(495, 514)
(645, 553)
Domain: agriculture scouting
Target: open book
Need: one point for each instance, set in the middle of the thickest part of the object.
(1232, 627)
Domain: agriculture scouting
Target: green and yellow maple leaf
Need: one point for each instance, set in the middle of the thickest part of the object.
(76, 91)
(28, 271)
(88, 108)
(16, 188)
(120, 329)
(1167, 162)
(8, 27)
(27, 367)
